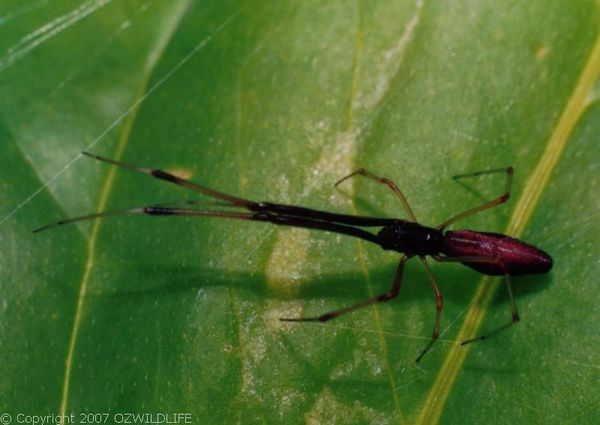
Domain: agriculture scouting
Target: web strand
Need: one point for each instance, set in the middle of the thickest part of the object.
(201, 44)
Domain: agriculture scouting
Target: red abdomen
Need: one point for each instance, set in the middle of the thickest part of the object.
(518, 257)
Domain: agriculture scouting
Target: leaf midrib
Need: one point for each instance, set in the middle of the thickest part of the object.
(161, 43)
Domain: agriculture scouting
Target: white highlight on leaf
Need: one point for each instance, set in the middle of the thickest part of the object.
(49, 30)
(128, 111)
(362, 357)
(389, 64)
(281, 309)
(284, 268)
(21, 11)
(336, 161)
(327, 409)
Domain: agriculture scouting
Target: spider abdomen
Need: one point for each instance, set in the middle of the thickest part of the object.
(512, 255)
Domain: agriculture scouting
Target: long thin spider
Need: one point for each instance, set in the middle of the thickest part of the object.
(488, 253)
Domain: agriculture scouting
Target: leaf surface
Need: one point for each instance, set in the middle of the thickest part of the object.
(275, 101)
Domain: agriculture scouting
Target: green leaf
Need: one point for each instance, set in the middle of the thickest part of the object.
(276, 101)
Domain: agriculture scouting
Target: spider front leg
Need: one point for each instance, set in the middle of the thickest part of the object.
(491, 204)
(387, 182)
